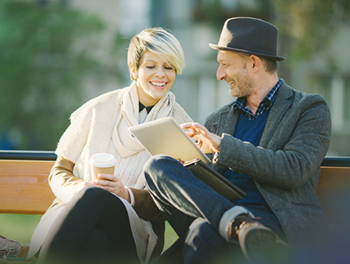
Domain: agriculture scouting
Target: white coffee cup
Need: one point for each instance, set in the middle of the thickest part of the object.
(102, 163)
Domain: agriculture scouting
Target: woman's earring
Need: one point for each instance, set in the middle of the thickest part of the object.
(134, 76)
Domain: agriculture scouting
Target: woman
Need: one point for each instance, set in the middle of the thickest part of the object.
(113, 218)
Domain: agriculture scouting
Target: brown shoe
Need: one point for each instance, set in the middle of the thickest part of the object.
(259, 243)
(235, 224)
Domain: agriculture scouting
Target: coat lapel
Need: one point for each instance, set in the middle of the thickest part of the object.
(277, 111)
(227, 121)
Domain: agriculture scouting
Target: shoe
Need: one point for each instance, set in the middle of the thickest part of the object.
(9, 247)
(235, 224)
(231, 219)
(259, 243)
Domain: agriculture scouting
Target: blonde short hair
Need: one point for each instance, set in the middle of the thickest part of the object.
(158, 41)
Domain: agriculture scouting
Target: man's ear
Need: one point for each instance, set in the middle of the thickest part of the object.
(255, 62)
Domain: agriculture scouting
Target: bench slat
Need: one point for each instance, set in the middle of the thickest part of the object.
(24, 187)
(334, 194)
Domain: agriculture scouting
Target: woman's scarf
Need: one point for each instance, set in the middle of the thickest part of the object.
(126, 145)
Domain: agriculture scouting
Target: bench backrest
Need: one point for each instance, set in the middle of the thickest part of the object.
(333, 192)
(24, 189)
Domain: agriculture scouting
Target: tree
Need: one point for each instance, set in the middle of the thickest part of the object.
(45, 54)
(305, 26)
(308, 25)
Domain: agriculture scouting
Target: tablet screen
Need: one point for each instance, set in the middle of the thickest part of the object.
(165, 136)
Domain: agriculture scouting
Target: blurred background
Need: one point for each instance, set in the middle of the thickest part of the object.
(57, 54)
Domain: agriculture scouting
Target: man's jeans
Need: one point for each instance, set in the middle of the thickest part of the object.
(194, 210)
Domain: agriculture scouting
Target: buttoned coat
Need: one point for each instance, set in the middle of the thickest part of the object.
(286, 164)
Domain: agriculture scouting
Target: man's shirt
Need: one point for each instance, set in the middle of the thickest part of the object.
(241, 103)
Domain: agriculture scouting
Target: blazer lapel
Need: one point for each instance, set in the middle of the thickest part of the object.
(227, 121)
(277, 111)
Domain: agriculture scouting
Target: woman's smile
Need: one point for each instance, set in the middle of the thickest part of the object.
(155, 78)
(158, 84)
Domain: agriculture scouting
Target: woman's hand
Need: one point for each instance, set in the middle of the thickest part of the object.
(112, 184)
(206, 141)
(83, 185)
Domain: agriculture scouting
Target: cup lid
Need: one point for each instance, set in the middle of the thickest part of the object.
(102, 160)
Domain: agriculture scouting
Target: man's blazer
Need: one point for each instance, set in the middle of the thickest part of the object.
(286, 164)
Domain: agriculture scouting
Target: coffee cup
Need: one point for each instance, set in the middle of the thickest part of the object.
(102, 163)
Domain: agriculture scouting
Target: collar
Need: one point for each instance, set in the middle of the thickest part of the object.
(264, 105)
(148, 108)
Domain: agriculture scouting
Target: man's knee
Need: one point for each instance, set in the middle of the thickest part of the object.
(156, 162)
(155, 166)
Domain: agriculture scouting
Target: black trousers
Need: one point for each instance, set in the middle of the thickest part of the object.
(92, 228)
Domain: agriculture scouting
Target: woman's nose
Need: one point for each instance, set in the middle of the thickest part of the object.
(160, 72)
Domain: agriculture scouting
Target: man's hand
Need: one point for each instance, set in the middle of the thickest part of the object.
(206, 141)
(112, 184)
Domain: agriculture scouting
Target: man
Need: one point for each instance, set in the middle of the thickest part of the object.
(270, 142)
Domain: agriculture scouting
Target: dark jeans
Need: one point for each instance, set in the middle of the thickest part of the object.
(194, 211)
(92, 228)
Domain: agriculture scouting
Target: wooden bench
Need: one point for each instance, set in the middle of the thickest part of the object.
(333, 190)
(24, 187)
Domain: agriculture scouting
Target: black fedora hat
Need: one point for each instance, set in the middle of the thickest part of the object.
(249, 35)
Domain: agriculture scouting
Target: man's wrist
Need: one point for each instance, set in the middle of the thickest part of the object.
(215, 158)
(217, 143)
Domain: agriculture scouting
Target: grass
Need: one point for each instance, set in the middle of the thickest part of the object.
(170, 236)
(21, 228)
(18, 227)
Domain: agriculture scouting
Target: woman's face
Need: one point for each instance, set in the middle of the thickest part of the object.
(154, 79)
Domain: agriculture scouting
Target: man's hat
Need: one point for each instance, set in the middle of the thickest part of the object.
(249, 35)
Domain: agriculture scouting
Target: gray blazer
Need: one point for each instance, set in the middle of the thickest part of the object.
(286, 165)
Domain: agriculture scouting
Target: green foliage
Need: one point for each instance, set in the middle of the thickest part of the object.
(45, 53)
(216, 14)
(309, 24)
(18, 227)
(305, 26)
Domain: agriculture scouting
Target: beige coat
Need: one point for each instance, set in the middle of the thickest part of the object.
(90, 132)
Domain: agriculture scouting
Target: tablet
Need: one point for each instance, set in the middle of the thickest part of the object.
(215, 180)
(165, 136)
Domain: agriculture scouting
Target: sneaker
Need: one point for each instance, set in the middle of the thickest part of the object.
(259, 243)
(9, 247)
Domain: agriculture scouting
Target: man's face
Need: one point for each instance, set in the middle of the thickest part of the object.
(233, 69)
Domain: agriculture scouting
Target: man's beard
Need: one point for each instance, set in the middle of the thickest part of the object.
(243, 86)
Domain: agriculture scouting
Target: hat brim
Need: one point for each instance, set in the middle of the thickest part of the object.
(268, 56)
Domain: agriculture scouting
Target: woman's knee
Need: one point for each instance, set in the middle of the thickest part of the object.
(93, 194)
(99, 202)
